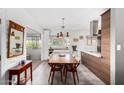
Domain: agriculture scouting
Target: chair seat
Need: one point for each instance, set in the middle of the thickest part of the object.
(57, 68)
(70, 68)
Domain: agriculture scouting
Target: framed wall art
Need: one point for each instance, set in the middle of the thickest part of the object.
(75, 40)
(81, 37)
(15, 39)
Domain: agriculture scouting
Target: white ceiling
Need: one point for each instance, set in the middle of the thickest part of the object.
(75, 18)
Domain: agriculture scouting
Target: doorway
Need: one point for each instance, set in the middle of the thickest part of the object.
(33, 45)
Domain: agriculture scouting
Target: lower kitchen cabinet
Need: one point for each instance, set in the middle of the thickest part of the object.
(95, 64)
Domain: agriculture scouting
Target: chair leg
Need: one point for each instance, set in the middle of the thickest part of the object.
(65, 76)
(49, 76)
(74, 77)
(61, 75)
(64, 72)
(52, 77)
(77, 76)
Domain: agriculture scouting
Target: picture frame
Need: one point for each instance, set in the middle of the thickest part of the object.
(15, 39)
(75, 40)
(81, 37)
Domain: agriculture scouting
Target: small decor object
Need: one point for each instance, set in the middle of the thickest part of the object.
(81, 37)
(75, 39)
(74, 47)
(22, 62)
(61, 34)
(67, 34)
(15, 39)
(62, 55)
(57, 35)
(13, 34)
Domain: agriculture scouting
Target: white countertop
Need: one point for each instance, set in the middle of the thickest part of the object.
(97, 54)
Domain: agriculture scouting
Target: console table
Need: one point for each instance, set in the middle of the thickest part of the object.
(17, 70)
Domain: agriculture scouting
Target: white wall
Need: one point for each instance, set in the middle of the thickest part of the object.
(112, 46)
(45, 46)
(117, 30)
(21, 17)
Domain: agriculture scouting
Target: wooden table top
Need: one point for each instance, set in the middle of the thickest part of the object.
(20, 66)
(67, 59)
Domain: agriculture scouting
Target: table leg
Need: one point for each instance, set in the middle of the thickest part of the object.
(18, 78)
(64, 73)
(10, 78)
(31, 72)
(25, 76)
(52, 77)
(74, 77)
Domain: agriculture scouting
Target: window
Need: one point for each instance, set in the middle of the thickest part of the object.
(92, 41)
(33, 42)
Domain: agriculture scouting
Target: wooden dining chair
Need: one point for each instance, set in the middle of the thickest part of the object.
(55, 68)
(73, 69)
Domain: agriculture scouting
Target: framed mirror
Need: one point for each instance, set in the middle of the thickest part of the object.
(15, 39)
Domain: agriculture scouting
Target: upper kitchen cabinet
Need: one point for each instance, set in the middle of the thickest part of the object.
(93, 27)
(94, 39)
(105, 45)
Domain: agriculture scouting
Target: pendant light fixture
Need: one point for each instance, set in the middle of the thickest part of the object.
(61, 35)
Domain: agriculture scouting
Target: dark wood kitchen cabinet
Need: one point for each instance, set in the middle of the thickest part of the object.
(100, 66)
(105, 45)
(93, 63)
